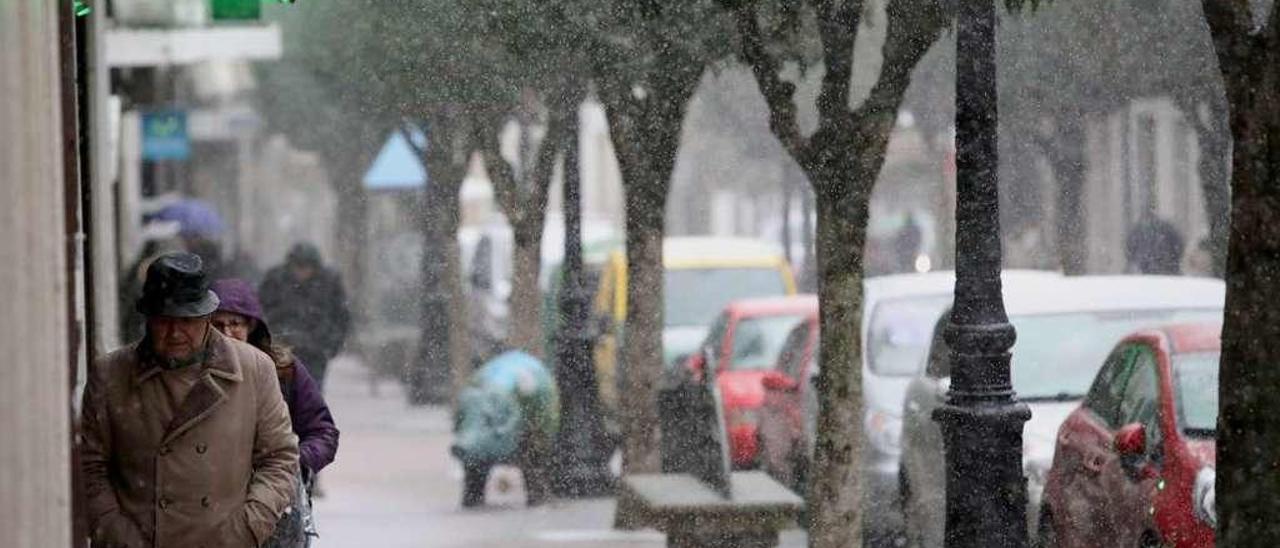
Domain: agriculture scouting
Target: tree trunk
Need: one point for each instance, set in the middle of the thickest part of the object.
(1248, 432)
(429, 380)
(835, 485)
(442, 347)
(646, 133)
(641, 363)
(525, 319)
(460, 342)
(1067, 158)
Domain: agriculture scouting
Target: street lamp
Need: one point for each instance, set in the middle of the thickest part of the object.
(583, 464)
(982, 419)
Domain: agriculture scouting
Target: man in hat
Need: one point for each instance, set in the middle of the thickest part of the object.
(307, 308)
(186, 440)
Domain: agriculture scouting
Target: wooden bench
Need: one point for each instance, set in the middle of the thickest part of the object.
(697, 500)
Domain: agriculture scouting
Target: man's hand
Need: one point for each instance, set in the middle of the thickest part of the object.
(116, 530)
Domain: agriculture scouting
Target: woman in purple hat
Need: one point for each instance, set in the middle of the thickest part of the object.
(240, 317)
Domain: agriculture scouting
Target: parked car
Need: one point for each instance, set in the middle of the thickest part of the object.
(790, 403)
(1135, 462)
(1066, 327)
(897, 321)
(743, 346)
(701, 275)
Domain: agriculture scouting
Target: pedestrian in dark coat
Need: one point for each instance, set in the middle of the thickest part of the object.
(186, 439)
(306, 305)
(239, 316)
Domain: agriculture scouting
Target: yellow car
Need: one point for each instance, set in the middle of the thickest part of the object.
(701, 276)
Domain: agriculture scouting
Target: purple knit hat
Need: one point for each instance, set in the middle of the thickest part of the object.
(238, 296)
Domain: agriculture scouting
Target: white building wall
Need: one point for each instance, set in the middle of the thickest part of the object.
(35, 428)
(1141, 160)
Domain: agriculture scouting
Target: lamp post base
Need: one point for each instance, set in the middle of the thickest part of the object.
(987, 491)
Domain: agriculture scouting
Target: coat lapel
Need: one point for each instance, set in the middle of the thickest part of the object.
(203, 399)
(207, 395)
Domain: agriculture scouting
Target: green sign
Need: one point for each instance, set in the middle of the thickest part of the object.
(237, 10)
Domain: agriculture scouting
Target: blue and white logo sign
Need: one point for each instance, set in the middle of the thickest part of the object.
(164, 135)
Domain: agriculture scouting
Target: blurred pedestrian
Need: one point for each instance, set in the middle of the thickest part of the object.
(1154, 246)
(907, 245)
(306, 304)
(185, 437)
(240, 317)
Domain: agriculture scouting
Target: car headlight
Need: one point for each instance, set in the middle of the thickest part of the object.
(884, 431)
(1202, 497)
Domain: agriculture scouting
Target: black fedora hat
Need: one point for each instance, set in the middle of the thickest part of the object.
(177, 286)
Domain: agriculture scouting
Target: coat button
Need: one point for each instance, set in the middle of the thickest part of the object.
(164, 503)
(204, 501)
(164, 450)
(201, 448)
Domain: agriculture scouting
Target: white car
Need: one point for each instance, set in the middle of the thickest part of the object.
(897, 322)
(1066, 327)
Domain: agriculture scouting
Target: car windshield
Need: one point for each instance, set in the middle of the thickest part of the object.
(695, 295)
(900, 333)
(758, 341)
(1195, 382)
(1057, 355)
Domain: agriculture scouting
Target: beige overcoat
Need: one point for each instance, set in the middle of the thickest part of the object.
(215, 471)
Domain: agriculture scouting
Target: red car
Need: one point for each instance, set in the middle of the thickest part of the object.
(1134, 464)
(788, 408)
(744, 343)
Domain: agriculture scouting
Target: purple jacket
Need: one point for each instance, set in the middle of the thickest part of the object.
(312, 421)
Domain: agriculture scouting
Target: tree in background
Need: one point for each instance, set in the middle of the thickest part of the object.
(644, 60)
(1067, 64)
(1247, 41)
(546, 68)
(418, 67)
(842, 159)
(649, 58)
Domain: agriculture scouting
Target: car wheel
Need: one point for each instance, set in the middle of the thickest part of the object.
(799, 473)
(1151, 540)
(1046, 535)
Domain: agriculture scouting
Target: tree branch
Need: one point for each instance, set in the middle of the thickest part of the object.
(506, 189)
(778, 93)
(913, 28)
(837, 29)
(540, 177)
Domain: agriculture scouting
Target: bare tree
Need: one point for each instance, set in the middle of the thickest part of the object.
(842, 160)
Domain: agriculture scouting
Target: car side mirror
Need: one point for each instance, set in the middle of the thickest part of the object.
(780, 382)
(1131, 440)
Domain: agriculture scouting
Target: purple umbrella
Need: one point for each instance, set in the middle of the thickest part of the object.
(196, 218)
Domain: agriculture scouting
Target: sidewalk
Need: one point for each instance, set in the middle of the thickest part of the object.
(394, 485)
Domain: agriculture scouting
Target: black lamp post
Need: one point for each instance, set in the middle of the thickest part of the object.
(982, 419)
(583, 463)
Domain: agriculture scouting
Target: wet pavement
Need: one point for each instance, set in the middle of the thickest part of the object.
(394, 484)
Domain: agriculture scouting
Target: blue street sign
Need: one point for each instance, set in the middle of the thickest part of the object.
(164, 135)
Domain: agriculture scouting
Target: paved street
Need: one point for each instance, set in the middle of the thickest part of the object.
(394, 485)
